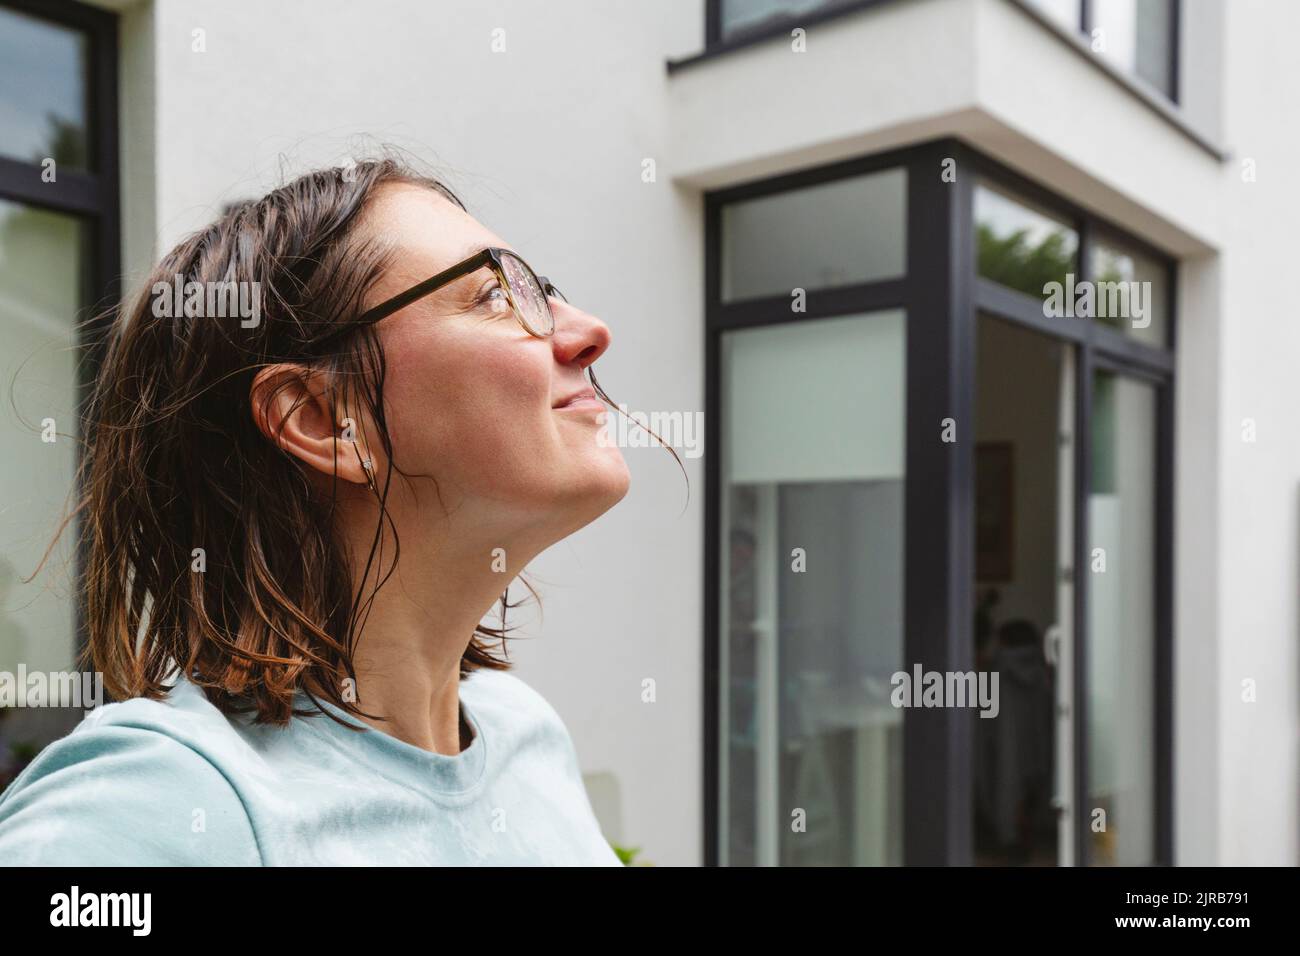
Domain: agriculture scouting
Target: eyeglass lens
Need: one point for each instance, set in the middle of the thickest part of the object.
(528, 295)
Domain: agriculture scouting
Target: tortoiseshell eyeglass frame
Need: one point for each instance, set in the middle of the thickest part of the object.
(492, 256)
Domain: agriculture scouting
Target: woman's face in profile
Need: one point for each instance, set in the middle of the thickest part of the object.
(473, 399)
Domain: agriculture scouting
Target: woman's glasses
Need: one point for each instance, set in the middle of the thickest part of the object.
(529, 293)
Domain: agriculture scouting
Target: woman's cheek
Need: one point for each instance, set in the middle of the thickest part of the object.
(488, 399)
(517, 382)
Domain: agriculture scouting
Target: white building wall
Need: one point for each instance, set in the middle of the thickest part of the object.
(1260, 501)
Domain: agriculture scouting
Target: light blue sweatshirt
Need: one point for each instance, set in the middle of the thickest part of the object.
(176, 783)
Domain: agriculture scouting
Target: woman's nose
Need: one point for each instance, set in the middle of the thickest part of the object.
(579, 337)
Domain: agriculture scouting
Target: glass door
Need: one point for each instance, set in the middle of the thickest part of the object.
(1075, 547)
(812, 488)
(1122, 721)
(1024, 593)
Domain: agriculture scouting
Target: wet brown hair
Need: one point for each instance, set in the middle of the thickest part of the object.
(173, 461)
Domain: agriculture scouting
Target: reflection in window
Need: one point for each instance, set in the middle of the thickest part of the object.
(1137, 36)
(43, 271)
(749, 16)
(43, 76)
(1122, 623)
(1144, 311)
(1024, 541)
(812, 592)
(833, 234)
(1020, 245)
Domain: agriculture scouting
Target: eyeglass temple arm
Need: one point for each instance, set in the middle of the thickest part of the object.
(403, 299)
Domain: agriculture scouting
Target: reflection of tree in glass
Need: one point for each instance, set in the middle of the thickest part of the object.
(65, 142)
(1014, 261)
(1111, 269)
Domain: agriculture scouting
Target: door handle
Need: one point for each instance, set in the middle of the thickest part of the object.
(1052, 645)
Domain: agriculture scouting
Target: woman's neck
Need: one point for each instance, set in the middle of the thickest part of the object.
(417, 628)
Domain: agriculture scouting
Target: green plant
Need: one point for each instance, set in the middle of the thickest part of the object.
(628, 854)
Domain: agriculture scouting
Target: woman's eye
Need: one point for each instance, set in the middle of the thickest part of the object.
(493, 295)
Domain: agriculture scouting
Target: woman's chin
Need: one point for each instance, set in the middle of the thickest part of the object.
(608, 478)
(599, 483)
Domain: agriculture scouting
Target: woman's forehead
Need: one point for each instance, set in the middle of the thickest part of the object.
(428, 228)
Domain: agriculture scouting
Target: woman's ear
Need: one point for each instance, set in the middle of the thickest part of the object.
(291, 406)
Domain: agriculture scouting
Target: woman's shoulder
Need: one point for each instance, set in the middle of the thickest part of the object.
(134, 783)
(504, 696)
(518, 719)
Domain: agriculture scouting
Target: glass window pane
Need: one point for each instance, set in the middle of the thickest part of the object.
(1137, 36)
(1065, 12)
(1132, 290)
(747, 16)
(809, 644)
(1122, 623)
(1022, 245)
(42, 274)
(1023, 619)
(43, 84)
(833, 234)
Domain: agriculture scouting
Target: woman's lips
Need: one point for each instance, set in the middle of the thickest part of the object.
(585, 399)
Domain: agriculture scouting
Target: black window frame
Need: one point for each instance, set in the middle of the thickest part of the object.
(715, 44)
(942, 300)
(92, 195)
(1172, 65)
(715, 40)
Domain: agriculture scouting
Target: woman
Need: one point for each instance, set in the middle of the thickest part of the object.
(299, 694)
